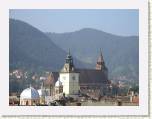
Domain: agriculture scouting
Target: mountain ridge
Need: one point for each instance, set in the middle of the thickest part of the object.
(85, 45)
(29, 46)
(92, 29)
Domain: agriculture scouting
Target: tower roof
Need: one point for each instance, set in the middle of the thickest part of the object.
(100, 65)
(69, 58)
(100, 59)
(68, 66)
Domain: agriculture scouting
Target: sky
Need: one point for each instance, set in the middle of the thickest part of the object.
(124, 22)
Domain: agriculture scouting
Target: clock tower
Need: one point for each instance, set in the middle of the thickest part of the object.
(69, 77)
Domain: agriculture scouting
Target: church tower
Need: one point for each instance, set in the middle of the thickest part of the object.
(69, 77)
(100, 65)
(68, 66)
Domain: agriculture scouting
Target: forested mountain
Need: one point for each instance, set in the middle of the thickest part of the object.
(30, 48)
(121, 53)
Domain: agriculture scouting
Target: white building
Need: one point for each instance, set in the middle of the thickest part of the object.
(75, 80)
(42, 94)
(29, 96)
(58, 87)
(69, 77)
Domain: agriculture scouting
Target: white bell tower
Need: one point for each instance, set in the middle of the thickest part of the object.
(69, 77)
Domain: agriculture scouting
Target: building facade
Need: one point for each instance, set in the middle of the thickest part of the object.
(76, 80)
(29, 97)
(69, 77)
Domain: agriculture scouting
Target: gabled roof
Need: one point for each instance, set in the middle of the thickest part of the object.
(52, 78)
(87, 76)
(92, 76)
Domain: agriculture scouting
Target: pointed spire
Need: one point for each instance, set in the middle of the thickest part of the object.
(100, 62)
(100, 59)
(68, 53)
(68, 66)
(100, 52)
(69, 57)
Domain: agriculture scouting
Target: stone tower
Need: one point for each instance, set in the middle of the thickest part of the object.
(69, 77)
(100, 65)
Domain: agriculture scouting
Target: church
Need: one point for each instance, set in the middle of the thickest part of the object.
(72, 80)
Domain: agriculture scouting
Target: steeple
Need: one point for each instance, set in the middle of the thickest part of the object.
(69, 77)
(100, 59)
(100, 65)
(68, 66)
(69, 58)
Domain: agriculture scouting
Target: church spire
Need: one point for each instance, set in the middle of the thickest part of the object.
(68, 66)
(100, 62)
(69, 58)
(100, 59)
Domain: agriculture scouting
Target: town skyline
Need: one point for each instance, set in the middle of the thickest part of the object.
(40, 58)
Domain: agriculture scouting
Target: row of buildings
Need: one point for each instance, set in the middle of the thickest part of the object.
(70, 82)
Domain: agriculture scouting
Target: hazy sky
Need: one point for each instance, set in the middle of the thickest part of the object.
(120, 22)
